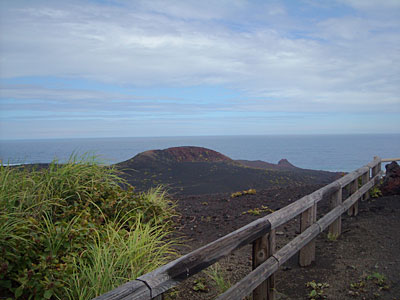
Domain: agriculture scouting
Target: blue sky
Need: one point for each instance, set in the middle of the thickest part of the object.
(173, 68)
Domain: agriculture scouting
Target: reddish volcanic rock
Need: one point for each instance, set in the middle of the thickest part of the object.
(184, 154)
(391, 183)
(194, 154)
(171, 156)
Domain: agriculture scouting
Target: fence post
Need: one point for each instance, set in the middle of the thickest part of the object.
(379, 165)
(364, 180)
(377, 168)
(307, 253)
(353, 187)
(263, 248)
(335, 229)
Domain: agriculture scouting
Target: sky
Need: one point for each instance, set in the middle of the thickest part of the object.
(111, 68)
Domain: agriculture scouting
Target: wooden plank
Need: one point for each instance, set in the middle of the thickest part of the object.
(245, 286)
(137, 288)
(171, 274)
(307, 253)
(297, 243)
(335, 229)
(389, 159)
(345, 180)
(287, 213)
(263, 248)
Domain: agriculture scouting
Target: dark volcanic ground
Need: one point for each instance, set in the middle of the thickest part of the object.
(196, 170)
(201, 181)
(370, 244)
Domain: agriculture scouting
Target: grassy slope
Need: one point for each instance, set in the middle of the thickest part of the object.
(72, 231)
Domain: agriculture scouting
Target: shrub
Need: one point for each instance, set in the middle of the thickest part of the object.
(55, 221)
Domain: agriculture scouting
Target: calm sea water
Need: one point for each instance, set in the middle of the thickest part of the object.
(322, 152)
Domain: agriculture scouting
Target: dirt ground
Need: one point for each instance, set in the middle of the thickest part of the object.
(363, 263)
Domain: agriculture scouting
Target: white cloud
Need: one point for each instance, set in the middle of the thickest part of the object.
(350, 59)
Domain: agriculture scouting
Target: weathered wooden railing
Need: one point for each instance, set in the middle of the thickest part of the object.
(261, 233)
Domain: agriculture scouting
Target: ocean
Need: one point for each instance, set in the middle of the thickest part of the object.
(319, 152)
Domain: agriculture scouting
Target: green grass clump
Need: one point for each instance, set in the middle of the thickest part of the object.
(375, 192)
(257, 211)
(219, 278)
(247, 192)
(77, 230)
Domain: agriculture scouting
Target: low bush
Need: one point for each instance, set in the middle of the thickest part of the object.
(77, 230)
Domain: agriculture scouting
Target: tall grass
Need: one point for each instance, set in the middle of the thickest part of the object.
(77, 229)
(115, 256)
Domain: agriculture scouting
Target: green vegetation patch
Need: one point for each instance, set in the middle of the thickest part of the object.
(77, 230)
(375, 192)
(317, 290)
(219, 278)
(257, 211)
(247, 192)
(373, 284)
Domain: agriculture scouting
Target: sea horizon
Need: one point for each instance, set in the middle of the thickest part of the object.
(193, 136)
(330, 152)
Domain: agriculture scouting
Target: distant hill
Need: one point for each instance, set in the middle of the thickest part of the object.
(197, 170)
(283, 164)
(170, 156)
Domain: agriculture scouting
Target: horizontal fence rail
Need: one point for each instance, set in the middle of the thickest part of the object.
(390, 159)
(261, 233)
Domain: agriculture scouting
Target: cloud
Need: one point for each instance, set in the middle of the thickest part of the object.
(311, 57)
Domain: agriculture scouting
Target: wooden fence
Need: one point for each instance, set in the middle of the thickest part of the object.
(261, 233)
